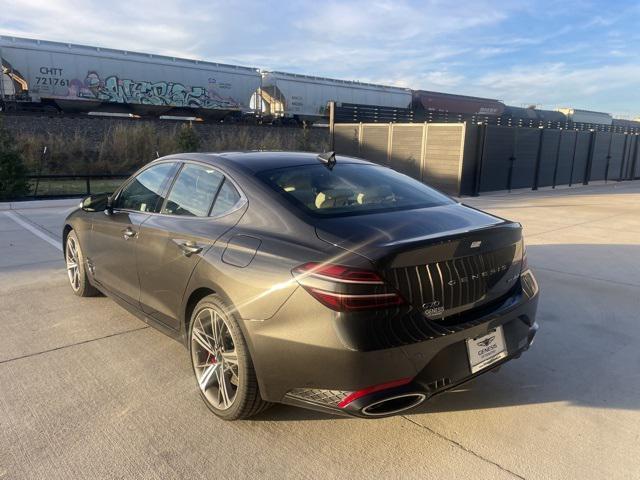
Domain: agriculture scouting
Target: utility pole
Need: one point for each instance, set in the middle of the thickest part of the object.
(332, 122)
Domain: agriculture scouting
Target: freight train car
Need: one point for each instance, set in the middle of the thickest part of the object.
(532, 116)
(49, 76)
(425, 102)
(623, 123)
(75, 78)
(551, 116)
(305, 98)
(7, 87)
(513, 114)
(586, 116)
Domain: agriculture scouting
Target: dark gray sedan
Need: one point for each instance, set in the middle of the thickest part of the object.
(328, 283)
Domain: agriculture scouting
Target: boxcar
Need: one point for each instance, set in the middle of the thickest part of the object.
(305, 98)
(82, 78)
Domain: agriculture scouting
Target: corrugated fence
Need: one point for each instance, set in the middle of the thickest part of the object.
(430, 152)
(468, 159)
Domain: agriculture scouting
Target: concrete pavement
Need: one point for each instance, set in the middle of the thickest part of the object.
(89, 391)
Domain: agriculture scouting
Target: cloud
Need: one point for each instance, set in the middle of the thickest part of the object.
(160, 26)
(395, 21)
(435, 80)
(560, 84)
(522, 52)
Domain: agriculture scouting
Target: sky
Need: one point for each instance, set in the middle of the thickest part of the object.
(581, 54)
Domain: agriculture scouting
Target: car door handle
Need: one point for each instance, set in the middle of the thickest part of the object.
(189, 248)
(128, 233)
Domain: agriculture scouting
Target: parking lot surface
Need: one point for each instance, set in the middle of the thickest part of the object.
(89, 391)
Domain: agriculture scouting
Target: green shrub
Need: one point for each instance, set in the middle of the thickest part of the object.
(125, 148)
(13, 173)
(188, 139)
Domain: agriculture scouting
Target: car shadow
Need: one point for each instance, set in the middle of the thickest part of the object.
(286, 413)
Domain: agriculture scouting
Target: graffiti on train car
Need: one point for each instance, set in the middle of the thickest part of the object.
(123, 90)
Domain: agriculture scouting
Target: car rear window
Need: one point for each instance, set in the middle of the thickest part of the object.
(350, 189)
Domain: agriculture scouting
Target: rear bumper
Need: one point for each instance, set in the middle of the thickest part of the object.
(448, 369)
(300, 361)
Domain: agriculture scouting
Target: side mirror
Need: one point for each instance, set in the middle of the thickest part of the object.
(96, 203)
(109, 208)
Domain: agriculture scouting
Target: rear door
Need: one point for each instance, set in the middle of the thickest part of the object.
(113, 239)
(201, 205)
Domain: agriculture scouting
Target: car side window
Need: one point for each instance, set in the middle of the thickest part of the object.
(226, 199)
(193, 191)
(144, 192)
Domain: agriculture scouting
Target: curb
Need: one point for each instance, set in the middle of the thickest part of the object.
(29, 204)
(562, 188)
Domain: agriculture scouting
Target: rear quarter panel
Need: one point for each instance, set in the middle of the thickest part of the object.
(250, 264)
(257, 290)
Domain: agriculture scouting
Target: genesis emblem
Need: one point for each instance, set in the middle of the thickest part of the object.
(486, 342)
(433, 309)
(476, 244)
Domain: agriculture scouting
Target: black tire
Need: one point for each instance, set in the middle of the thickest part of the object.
(78, 279)
(247, 401)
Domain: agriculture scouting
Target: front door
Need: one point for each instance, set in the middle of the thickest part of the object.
(171, 244)
(113, 254)
(114, 237)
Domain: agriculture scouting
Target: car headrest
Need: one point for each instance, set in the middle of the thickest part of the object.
(334, 198)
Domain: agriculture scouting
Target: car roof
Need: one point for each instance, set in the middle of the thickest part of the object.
(257, 161)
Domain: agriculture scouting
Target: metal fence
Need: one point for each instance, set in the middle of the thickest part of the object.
(352, 113)
(513, 157)
(468, 159)
(57, 186)
(429, 152)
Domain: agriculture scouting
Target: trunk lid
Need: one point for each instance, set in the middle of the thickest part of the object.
(443, 260)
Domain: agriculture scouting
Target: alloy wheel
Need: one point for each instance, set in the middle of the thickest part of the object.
(214, 358)
(73, 263)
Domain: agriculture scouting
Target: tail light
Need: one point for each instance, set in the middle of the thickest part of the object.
(346, 289)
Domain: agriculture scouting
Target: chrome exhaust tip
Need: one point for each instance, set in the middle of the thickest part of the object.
(393, 405)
